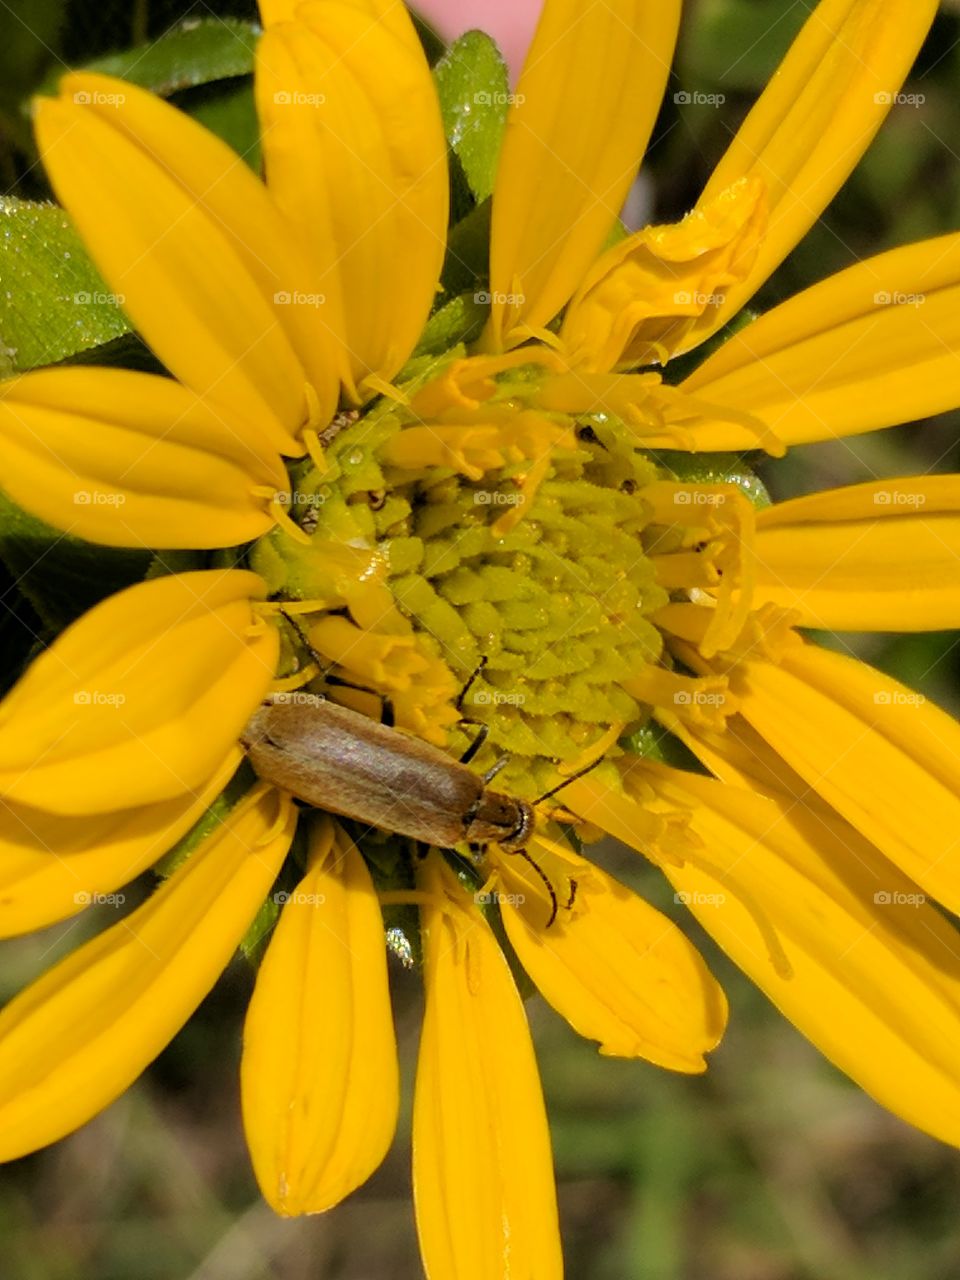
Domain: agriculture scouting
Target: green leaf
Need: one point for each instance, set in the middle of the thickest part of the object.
(53, 302)
(474, 93)
(60, 575)
(197, 52)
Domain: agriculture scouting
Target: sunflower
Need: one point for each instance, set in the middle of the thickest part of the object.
(542, 531)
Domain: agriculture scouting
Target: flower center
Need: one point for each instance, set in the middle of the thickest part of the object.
(490, 564)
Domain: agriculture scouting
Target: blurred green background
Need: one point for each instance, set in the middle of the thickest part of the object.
(772, 1167)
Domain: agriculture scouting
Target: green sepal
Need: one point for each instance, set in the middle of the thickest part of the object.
(713, 468)
(460, 320)
(473, 87)
(652, 741)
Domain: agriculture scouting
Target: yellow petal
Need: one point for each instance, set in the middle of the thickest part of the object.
(843, 944)
(813, 122)
(356, 158)
(129, 459)
(883, 756)
(141, 699)
(82, 1033)
(617, 969)
(186, 238)
(319, 1075)
(883, 556)
(643, 296)
(872, 346)
(392, 15)
(52, 866)
(482, 1169)
(586, 103)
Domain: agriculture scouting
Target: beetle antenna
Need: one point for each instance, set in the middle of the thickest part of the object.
(555, 906)
(566, 782)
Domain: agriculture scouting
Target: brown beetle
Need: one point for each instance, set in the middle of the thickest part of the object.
(341, 761)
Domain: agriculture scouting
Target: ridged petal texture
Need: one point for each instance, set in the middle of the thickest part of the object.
(142, 699)
(355, 157)
(82, 1033)
(813, 122)
(882, 556)
(884, 757)
(187, 238)
(130, 460)
(319, 1074)
(53, 866)
(843, 943)
(615, 967)
(873, 346)
(482, 1168)
(585, 106)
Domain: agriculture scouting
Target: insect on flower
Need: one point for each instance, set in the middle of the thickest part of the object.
(339, 760)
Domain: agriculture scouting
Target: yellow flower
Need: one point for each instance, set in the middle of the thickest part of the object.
(514, 524)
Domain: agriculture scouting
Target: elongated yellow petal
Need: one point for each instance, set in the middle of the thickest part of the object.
(482, 1169)
(52, 866)
(83, 1032)
(843, 943)
(882, 556)
(141, 699)
(586, 103)
(319, 1075)
(883, 756)
(187, 239)
(873, 346)
(356, 158)
(813, 122)
(129, 459)
(617, 969)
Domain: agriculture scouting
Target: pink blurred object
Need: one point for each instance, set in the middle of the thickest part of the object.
(510, 22)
